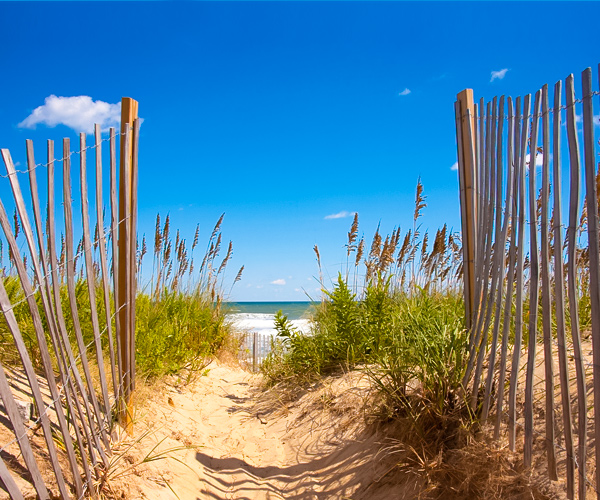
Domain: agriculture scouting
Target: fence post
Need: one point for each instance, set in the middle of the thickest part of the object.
(124, 306)
(465, 123)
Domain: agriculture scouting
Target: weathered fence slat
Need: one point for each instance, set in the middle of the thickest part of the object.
(559, 294)
(114, 218)
(8, 481)
(575, 181)
(511, 207)
(21, 435)
(135, 131)
(533, 286)
(124, 281)
(546, 293)
(591, 197)
(516, 357)
(103, 261)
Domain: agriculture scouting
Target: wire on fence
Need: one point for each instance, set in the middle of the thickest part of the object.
(45, 165)
(63, 265)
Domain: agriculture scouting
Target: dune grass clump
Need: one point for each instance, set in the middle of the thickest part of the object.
(389, 302)
(179, 317)
(181, 323)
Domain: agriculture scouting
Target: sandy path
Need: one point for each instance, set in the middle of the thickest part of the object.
(238, 452)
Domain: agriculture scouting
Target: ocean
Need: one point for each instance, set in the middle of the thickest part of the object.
(259, 316)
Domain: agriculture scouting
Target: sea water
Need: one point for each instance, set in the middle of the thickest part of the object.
(260, 316)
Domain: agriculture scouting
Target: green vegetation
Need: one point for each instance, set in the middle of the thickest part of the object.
(398, 315)
(180, 321)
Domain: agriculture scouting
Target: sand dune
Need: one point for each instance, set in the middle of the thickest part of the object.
(239, 448)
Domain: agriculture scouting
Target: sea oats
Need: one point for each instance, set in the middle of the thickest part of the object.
(352, 234)
(359, 251)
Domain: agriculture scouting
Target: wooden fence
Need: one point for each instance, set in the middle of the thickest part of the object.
(254, 349)
(515, 249)
(79, 308)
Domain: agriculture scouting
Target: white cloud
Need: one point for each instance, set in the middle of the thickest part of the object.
(405, 92)
(297, 290)
(78, 112)
(454, 166)
(259, 286)
(340, 215)
(539, 160)
(279, 282)
(498, 74)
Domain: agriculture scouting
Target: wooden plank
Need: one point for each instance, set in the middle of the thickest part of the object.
(591, 197)
(463, 209)
(103, 261)
(11, 487)
(133, 245)
(559, 294)
(68, 211)
(546, 292)
(574, 209)
(114, 211)
(91, 279)
(129, 112)
(516, 358)
(511, 207)
(126, 412)
(21, 434)
(533, 286)
(468, 166)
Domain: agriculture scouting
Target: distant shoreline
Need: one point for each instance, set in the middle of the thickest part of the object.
(292, 309)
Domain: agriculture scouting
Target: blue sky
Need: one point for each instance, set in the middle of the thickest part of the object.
(281, 114)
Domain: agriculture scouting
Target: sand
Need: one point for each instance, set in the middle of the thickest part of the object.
(236, 448)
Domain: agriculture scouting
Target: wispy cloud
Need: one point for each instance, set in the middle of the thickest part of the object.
(579, 119)
(279, 282)
(340, 215)
(405, 92)
(77, 112)
(454, 166)
(498, 74)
